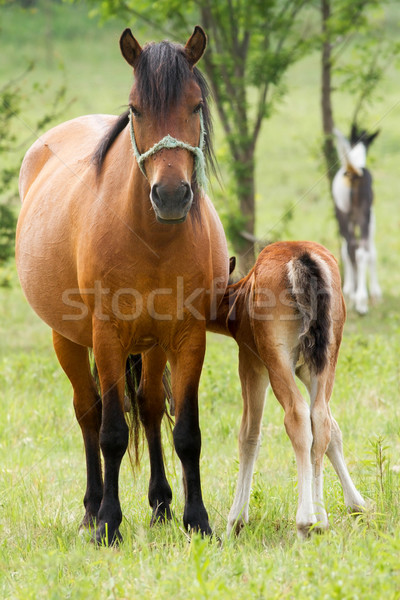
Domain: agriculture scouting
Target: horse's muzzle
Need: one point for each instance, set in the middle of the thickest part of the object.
(171, 205)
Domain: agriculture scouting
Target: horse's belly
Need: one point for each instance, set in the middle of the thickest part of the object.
(47, 271)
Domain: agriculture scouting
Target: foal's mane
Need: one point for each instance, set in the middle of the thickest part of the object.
(161, 74)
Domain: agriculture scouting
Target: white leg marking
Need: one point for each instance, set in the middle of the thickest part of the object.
(361, 298)
(376, 293)
(254, 384)
(321, 437)
(352, 498)
(349, 283)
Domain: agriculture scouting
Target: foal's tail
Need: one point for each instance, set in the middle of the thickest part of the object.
(310, 286)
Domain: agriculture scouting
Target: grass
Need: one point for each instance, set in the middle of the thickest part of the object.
(41, 453)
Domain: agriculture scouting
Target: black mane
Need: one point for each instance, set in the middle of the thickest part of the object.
(161, 74)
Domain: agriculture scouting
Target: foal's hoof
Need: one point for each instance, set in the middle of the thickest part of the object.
(304, 531)
(235, 526)
(161, 514)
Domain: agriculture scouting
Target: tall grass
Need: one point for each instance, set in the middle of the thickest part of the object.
(42, 473)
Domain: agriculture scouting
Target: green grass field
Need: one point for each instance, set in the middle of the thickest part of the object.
(41, 452)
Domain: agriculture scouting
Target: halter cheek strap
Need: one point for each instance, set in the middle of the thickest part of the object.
(169, 142)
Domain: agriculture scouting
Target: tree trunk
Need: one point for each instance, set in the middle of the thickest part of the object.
(243, 242)
(329, 149)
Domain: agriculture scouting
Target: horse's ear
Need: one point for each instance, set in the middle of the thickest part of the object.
(195, 46)
(232, 264)
(354, 135)
(371, 137)
(130, 47)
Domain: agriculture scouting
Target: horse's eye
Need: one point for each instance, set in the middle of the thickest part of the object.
(198, 108)
(134, 111)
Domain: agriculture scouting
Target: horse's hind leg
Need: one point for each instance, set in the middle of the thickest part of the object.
(298, 427)
(375, 289)
(321, 428)
(254, 381)
(151, 399)
(352, 498)
(74, 360)
(334, 451)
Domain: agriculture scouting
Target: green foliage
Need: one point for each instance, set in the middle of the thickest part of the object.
(7, 232)
(362, 50)
(15, 97)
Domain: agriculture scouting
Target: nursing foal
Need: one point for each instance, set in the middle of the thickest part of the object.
(353, 196)
(287, 317)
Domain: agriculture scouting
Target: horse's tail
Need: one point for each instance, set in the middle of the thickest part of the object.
(133, 373)
(310, 285)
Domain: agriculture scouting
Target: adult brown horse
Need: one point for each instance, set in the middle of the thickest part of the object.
(110, 270)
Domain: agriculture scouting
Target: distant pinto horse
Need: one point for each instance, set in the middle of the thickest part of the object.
(287, 317)
(353, 196)
(120, 250)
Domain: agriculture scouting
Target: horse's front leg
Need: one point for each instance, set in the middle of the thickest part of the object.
(151, 399)
(110, 359)
(74, 359)
(186, 364)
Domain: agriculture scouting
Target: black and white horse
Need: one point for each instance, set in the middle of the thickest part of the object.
(353, 197)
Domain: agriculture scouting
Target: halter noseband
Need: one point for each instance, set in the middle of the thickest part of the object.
(170, 142)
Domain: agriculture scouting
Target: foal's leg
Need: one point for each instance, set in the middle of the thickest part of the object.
(74, 360)
(334, 452)
(352, 498)
(151, 398)
(186, 364)
(349, 279)
(376, 293)
(362, 260)
(254, 381)
(298, 427)
(321, 428)
(114, 435)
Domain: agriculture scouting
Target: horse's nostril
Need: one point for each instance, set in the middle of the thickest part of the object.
(187, 193)
(155, 196)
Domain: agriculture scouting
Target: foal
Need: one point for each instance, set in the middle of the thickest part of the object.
(353, 197)
(287, 317)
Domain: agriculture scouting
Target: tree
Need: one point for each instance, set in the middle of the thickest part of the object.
(13, 100)
(350, 25)
(251, 45)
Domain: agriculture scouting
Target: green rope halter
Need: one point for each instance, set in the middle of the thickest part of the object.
(169, 142)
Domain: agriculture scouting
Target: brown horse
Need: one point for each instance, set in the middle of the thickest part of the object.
(120, 250)
(287, 317)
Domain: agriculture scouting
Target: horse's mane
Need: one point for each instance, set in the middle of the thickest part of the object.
(161, 74)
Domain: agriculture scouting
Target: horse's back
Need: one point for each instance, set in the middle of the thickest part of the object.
(269, 265)
(273, 287)
(62, 147)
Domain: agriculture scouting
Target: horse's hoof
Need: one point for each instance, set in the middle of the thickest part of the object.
(160, 515)
(88, 523)
(104, 536)
(235, 526)
(204, 529)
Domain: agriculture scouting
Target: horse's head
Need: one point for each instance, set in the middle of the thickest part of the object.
(361, 136)
(168, 114)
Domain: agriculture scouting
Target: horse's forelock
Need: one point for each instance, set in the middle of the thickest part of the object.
(161, 73)
(160, 76)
